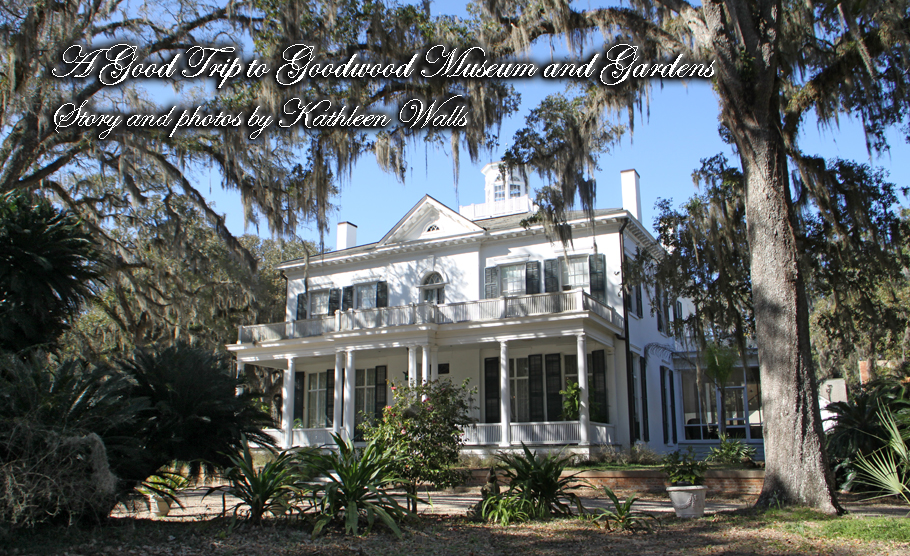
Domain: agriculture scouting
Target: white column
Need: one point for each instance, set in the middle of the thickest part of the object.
(241, 367)
(505, 396)
(425, 366)
(339, 393)
(412, 365)
(584, 408)
(287, 403)
(349, 375)
(434, 363)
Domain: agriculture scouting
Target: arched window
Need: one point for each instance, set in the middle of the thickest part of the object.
(433, 228)
(433, 290)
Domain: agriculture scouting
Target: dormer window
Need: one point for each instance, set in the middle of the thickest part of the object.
(499, 191)
(514, 190)
(432, 228)
(433, 289)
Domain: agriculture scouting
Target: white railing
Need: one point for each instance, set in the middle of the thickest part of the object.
(313, 437)
(564, 432)
(602, 433)
(512, 205)
(426, 313)
(480, 434)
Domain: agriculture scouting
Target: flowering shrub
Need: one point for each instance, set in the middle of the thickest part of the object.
(423, 431)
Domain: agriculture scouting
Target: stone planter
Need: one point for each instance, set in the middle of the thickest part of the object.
(688, 501)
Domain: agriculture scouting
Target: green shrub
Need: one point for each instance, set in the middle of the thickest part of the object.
(730, 451)
(683, 468)
(539, 479)
(359, 485)
(275, 487)
(623, 517)
(507, 508)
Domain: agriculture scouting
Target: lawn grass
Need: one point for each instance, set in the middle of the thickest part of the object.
(895, 529)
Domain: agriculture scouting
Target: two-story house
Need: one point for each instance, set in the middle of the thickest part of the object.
(476, 295)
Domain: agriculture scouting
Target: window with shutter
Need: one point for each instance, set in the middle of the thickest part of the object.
(646, 432)
(347, 298)
(330, 397)
(491, 389)
(575, 274)
(382, 294)
(598, 269)
(598, 373)
(299, 396)
(664, 405)
(334, 300)
(535, 388)
(301, 306)
(553, 371)
(381, 390)
(513, 279)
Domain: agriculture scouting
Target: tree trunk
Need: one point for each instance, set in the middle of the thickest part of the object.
(796, 463)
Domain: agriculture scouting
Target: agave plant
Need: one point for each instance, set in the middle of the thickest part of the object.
(539, 479)
(358, 486)
(273, 487)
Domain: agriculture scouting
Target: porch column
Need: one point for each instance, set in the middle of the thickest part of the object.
(349, 375)
(426, 363)
(584, 408)
(412, 365)
(434, 363)
(505, 397)
(287, 403)
(241, 367)
(339, 393)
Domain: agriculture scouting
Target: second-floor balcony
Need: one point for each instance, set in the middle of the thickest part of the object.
(507, 307)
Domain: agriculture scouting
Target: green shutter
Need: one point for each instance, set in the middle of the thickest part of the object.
(347, 298)
(491, 282)
(382, 294)
(301, 306)
(329, 397)
(551, 275)
(535, 388)
(598, 271)
(334, 300)
(491, 389)
(532, 277)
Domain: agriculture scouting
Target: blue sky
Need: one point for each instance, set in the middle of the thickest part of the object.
(667, 145)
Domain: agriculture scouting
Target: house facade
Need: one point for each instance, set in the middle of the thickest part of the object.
(479, 295)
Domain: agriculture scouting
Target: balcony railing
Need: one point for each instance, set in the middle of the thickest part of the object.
(428, 313)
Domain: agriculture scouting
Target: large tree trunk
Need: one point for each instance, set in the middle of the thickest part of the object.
(796, 463)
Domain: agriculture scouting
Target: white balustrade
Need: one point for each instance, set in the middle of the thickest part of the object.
(480, 434)
(602, 433)
(561, 432)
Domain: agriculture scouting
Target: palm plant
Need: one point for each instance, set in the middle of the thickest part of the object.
(358, 485)
(623, 517)
(273, 487)
(539, 479)
(888, 468)
(49, 266)
(193, 413)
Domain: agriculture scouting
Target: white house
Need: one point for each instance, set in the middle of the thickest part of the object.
(476, 295)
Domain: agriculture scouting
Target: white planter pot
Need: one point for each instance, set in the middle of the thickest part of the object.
(688, 501)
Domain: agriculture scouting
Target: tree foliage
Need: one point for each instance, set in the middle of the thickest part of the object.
(422, 429)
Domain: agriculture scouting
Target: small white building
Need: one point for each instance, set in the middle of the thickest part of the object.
(476, 295)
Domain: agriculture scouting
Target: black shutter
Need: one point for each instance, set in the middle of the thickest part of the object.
(382, 294)
(638, 308)
(598, 271)
(347, 298)
(599, 388)
(658, 299)
(381, 390)
(491, 282)
(646, 432)
(532, 277)
(664, 402)
(554, 381)
(299, 393)
(301, 306)
(535, 388)
(443, 369)
(334, 299)
(491, 389)
(672, 406)
(551, 275)
(329, 397)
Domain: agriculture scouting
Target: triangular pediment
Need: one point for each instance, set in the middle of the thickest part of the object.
(429, 219)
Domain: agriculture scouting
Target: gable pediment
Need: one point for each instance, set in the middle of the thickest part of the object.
(428, 220)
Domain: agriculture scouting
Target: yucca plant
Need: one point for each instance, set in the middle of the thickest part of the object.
(622, 516)
(539, 479)
(359, 485)
(274, 486)
(887, 469)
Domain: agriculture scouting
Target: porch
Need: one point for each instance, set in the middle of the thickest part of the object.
(560, 433)
(429, 313)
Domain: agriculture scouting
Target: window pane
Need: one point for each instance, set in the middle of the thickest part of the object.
(513, 279)
(575, 273)
(514, 190)
(499, 192)
(319, 304)
(366, 296)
